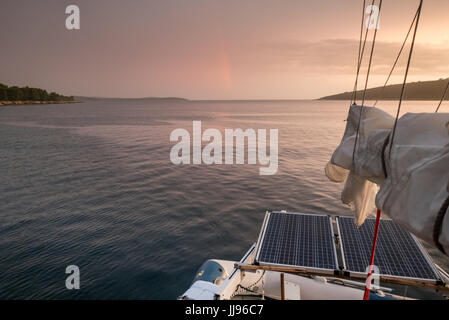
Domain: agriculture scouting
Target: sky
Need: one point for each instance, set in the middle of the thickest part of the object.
(212, 49)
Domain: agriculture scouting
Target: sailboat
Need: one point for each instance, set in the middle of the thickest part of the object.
(395, 166)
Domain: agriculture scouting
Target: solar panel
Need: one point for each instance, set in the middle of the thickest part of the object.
(398, 253)
(295, 239)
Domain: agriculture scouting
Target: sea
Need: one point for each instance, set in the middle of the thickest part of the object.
(91, 184)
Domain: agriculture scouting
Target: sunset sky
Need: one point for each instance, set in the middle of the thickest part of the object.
(211, 49)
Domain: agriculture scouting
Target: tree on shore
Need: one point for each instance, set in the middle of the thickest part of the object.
(15, 93)
(34, 94)
(3, 94)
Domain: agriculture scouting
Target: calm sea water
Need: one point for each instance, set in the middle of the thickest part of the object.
(91, 184)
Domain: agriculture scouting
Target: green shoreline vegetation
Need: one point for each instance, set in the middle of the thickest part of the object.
(421, 90)
(25, 95)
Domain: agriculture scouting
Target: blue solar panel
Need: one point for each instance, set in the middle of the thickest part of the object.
(397, 252)
(296, 239)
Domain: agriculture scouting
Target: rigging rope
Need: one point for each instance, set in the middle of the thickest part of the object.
(248, 288)
(397, 58)
(379, 212)
(442, 98)
(367, 77)
(371, 56)
(418, 12)
(360, 54)
(373, 252)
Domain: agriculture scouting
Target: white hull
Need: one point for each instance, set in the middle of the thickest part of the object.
(238, 284)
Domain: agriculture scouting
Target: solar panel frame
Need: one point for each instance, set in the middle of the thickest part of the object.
(359, 274)
(331, 234)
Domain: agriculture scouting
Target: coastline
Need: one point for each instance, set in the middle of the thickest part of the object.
(28, 102)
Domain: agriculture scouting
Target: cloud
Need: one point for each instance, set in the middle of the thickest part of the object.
(339, 56)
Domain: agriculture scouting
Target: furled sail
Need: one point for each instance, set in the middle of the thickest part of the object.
(410, 185)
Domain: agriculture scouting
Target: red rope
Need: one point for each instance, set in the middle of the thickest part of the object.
(373, 252)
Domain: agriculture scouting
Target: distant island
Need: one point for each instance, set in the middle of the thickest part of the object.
(421, 90)
(168, 99)
(27, 95)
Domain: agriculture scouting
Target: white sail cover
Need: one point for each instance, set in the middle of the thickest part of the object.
(413, 180)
